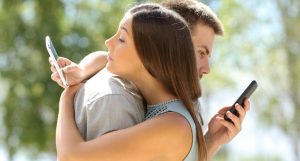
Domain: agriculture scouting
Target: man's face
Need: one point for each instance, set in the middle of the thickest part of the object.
(203, 38)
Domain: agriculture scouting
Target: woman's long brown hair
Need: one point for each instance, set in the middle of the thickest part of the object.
(165, 47)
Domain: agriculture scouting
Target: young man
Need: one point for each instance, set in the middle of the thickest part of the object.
(92, 114)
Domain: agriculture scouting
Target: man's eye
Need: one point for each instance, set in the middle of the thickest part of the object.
(202, 53)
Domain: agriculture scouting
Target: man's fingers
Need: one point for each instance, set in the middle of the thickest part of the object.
(224, 110)
(236, 121)
(247, 105)
(227, 124)
(241, 112)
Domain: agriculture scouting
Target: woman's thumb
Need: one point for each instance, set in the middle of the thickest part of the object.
(69, 68)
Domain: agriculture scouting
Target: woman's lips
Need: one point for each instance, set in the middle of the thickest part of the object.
(109, 58)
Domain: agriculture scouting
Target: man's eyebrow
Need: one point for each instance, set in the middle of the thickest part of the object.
(205, 48)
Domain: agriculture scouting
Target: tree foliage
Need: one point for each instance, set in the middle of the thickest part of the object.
(30, 105)
(290, 18)
(261, 42)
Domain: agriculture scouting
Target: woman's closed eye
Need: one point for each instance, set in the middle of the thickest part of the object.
(121, 40)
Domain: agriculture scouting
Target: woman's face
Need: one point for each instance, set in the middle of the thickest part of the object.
(122, 56)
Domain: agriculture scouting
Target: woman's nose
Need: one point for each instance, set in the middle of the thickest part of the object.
(108, 43)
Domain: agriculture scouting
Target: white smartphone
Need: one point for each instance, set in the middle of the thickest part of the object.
(53, 55)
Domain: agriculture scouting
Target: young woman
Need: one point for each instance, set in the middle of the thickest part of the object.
(153, 49)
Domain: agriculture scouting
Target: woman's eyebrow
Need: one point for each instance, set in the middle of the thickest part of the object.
(122, 27)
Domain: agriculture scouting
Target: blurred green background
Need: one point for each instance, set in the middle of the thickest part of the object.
(261, 42)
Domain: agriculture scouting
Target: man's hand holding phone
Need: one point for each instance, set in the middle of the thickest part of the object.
(220, 131)
(240, 101)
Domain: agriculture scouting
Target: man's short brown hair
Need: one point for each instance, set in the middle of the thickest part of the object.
(195, 12)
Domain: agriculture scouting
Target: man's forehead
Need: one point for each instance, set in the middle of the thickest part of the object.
(203, 37)
(205, 45)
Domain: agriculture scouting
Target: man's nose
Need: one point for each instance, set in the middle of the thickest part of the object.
(206, 69)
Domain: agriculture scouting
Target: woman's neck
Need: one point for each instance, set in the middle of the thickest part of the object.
(152, 90)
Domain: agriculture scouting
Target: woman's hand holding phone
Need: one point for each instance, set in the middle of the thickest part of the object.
(64, 71)
(72, 71)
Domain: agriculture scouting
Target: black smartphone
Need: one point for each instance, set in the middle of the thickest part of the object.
(246, 94)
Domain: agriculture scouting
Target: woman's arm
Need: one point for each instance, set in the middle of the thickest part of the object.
(93, 63)
(166, 137)
(66, 120)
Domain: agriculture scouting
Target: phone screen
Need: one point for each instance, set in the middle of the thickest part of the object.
(51, 47)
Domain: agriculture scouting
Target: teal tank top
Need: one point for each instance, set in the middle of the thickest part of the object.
(178, 107)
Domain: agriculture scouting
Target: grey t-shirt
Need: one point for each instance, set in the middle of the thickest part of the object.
(106, 103)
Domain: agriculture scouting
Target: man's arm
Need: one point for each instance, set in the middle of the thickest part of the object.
(220, 131)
